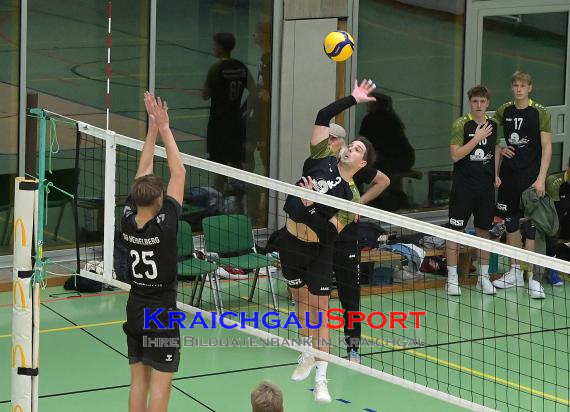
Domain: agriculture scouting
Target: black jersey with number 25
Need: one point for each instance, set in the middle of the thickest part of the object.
(152, 253)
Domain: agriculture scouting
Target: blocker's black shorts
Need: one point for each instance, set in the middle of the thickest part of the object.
(157, 348)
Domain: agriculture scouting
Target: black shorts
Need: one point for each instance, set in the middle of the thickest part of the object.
(305, 263)
(466, 200)
(157, 348)
(513, 184)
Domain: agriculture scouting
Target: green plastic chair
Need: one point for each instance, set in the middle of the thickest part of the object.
(190, 267)
(232, 235)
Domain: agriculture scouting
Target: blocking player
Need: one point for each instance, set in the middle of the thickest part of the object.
(475, 152)
(525, 161)
(149, 228)
(306, 250)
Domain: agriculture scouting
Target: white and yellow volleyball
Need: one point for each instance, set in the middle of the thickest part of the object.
(338, 45)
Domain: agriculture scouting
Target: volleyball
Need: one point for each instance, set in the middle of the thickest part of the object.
(338, 45)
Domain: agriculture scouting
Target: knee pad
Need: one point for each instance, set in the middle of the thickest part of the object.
(512, 223)
(528, 230)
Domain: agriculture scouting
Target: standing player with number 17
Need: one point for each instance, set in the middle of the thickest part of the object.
(526, 128)
(149, 229)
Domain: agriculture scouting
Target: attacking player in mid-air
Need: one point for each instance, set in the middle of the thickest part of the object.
(307, 247)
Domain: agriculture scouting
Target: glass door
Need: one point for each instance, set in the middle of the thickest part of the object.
(503, 36)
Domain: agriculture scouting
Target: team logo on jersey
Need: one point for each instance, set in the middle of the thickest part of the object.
(160, 218)
(501, 206)
(127, 211)
(479, 156)
(323, 186)
(516, 140)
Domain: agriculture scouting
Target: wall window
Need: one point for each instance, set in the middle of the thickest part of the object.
(9, 80)
(194, 75)
(535, 43)
(213, 66)
(67, 56)
(415, 56)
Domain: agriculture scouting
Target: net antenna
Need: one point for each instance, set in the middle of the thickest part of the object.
(108, 102)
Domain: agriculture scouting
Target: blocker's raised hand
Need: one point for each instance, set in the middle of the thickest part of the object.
(158, 109)
(148, 98)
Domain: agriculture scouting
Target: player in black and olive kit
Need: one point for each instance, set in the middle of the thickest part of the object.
(346, 249)
(525, 126)
(474, 151)
(307, 246)
(149, 228)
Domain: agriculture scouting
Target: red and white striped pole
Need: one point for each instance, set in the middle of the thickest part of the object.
(109, 12)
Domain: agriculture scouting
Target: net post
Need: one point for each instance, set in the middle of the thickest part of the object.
(25, 305)
(110, 202)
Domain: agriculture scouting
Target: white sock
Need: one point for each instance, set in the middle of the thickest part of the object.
(517, 269)
(485, 271)
(309, 345)
(452, 276)
(321, 371)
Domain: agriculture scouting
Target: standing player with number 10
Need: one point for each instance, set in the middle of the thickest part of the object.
(149, 229)
(475, 152)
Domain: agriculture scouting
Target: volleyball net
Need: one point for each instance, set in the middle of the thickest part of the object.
(478, 349)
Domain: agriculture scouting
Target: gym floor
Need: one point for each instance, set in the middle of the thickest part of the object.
(84, 365)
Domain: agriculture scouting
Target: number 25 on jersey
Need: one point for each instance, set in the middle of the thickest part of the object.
(145, 259)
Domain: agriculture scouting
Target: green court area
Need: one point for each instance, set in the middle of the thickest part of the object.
(506, 352)
(84, 335)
